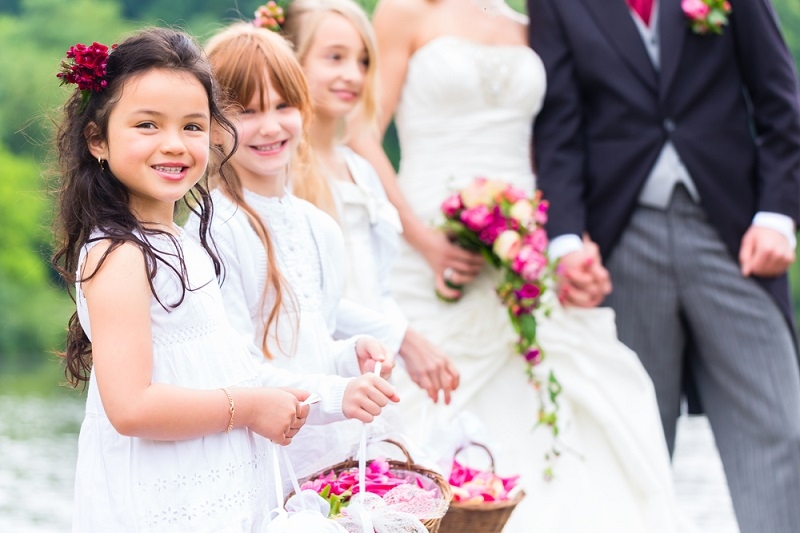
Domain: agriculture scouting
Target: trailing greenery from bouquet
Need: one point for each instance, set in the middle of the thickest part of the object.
(506, 227)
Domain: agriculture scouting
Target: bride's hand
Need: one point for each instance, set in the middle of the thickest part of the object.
(428, 367)
(452, 265)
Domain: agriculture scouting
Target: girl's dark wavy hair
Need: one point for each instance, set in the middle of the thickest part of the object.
(90, 197)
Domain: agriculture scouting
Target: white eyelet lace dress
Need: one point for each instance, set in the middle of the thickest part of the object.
(218, 483)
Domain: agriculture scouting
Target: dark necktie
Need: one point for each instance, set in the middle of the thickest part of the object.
(644, 8)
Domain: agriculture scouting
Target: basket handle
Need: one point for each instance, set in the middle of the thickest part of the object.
(366, 519)
(403, 449)
(479, 445)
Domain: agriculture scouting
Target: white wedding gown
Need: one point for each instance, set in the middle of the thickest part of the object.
(466, 110)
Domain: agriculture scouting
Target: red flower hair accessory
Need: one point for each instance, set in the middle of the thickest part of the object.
(269, 16)
(85, 66)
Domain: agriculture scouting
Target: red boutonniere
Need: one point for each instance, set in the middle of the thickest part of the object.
(706, 16)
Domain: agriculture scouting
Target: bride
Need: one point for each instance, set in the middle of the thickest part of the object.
(464, 89)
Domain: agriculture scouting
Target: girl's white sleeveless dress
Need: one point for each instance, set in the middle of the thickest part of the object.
(466, 110)
(221, 482)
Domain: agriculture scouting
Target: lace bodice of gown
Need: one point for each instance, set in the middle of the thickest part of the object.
(218, 482)
(304, 335)
(466, 110)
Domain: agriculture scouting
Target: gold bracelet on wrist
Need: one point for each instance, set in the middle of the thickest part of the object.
(231, 408)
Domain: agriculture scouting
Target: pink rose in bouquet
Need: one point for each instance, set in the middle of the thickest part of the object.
(506, 246)
(477, 218)
(452, 205)
(529, 263)
(482, 191)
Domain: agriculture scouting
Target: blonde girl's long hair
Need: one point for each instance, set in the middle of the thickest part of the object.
(303, 17)
(244, 60)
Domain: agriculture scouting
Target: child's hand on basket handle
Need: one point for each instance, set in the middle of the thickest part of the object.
(370, 351)
(366, 396)
(274, 413)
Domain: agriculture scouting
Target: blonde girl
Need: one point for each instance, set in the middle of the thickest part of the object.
(335, 44)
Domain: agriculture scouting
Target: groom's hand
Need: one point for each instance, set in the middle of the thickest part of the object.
(765, 252)
(583, 281)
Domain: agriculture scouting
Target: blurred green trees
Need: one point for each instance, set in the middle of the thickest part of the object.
(32, 309)
(34, 35)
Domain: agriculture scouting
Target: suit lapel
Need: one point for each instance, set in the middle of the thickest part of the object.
(672, 29)
(614, 19)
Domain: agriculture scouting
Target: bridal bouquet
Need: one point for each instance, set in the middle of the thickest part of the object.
(506, 226)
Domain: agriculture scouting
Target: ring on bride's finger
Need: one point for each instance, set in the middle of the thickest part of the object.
(447, 299)
(452, 285)
(448, 279)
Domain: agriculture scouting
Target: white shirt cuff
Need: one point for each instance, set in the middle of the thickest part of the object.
(564, 244)
(778, 222)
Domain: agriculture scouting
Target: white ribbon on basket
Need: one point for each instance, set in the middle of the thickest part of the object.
(399, 511)
(306, 510)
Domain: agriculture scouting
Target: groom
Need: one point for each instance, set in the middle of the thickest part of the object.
(678, 152)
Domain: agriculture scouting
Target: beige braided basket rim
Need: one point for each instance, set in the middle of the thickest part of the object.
(431, 524)
(459, 517)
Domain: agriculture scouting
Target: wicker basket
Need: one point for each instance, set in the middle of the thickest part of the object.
(482, 517)
(431, 524)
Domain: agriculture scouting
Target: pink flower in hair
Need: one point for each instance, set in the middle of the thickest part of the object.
(269, 16)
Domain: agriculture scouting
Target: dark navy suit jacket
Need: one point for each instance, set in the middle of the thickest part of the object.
(728, 102)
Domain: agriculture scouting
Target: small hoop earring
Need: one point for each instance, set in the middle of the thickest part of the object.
(101, 162)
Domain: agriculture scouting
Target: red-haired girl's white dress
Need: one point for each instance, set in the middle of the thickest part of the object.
(466, 110)
(310, 252)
